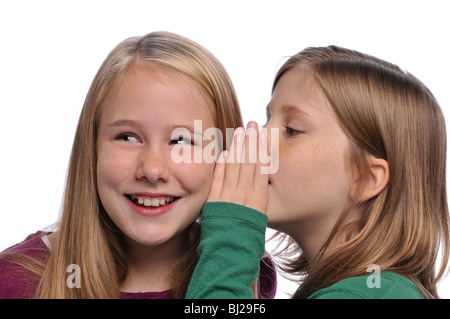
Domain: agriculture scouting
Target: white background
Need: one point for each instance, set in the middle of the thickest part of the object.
(50, 51)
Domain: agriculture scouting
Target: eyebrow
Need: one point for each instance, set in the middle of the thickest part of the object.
(123, 122)
(291, 109)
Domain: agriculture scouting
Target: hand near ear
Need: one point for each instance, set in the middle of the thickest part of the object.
(237, 176)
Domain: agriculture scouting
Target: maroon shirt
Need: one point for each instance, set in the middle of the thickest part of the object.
(18, 283)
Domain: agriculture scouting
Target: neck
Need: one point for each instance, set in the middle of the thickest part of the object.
(310, 238)
(151, 267)
(312, 234)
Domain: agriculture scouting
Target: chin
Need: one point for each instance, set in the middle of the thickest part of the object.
(148, 237)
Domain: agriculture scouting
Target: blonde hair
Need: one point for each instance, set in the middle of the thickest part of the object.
(86, 236)
(390, 114)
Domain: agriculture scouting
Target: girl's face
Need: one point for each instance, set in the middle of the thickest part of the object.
(311, 186)
(149, 197)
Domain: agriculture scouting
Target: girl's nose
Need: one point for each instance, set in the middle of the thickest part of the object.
(153, 166)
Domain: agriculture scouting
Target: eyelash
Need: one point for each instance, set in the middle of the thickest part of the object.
(291, 131)
(182, 139)
(125, 138)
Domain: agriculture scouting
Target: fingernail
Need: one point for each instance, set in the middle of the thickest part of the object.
(252, 124)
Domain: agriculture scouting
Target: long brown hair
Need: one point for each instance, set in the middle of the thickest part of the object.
(86, 235)
(388, 113)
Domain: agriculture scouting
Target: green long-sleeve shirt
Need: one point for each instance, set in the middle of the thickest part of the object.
(230, 250)
(231, 247)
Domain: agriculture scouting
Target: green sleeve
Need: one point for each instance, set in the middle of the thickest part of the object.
(231, 246)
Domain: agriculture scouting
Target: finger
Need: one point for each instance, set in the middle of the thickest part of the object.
(261, 180)
(238, 144)
(249, 157)
(261, 162)
(218, 179)
(251, 140)
(233, 161)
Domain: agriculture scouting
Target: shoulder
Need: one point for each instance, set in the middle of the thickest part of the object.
(16, 280)
(34, 243)
(382, 285)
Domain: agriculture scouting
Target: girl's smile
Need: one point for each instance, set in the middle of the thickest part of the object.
(151, 204)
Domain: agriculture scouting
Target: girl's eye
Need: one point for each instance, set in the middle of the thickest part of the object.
(182, 140)
(291, 131)
(127, 138)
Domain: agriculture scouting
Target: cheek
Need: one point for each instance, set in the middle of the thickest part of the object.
(112, 169)
(294, 171)
(311, 167)
(196, 177)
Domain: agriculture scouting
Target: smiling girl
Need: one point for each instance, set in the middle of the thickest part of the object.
(130, 213)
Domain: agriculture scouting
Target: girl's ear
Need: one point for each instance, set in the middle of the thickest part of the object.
(373, 181)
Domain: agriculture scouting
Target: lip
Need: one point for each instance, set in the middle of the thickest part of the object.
(149, 212)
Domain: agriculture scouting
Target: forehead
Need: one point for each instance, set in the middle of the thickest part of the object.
(149, 87)
(298, 81)
(298, 91)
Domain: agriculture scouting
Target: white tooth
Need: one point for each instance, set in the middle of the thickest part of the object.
(148, 202)
(162, 201)
(167, 199)
(155, 202)
(140, 201)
